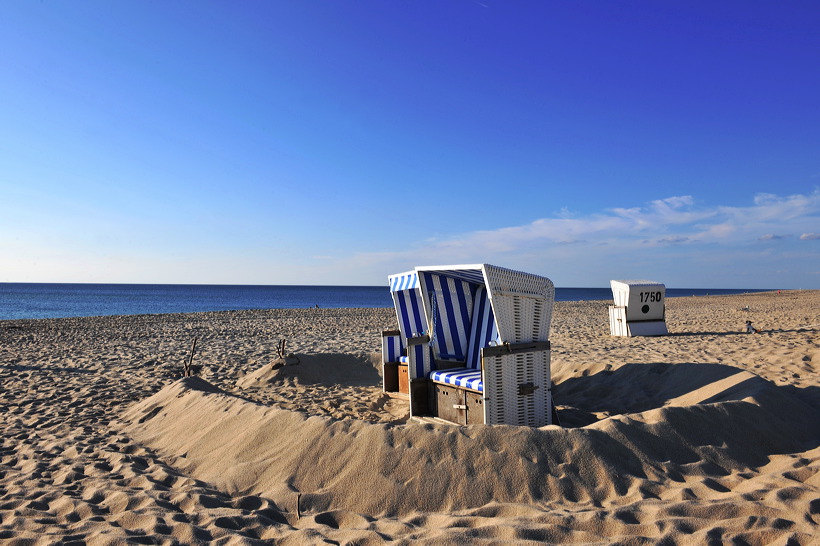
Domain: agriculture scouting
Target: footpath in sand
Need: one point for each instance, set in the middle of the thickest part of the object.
(708, 435)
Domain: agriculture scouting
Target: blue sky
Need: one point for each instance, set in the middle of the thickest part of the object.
(337, 142)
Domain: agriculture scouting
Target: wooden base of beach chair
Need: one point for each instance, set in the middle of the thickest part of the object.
(458, 405)
(424, 420)
(404, 379)
(419, 397)
(396, 378)
(390, 376)
(475, 407)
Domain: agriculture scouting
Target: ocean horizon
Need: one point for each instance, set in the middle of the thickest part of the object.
(20, 301)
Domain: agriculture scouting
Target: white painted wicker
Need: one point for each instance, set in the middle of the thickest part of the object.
(522, 304)
(639, 310)
(503, 376)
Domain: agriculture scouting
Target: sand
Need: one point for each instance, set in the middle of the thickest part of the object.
(705, 436)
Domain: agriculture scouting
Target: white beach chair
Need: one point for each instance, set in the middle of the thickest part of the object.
(472, 345)
(639, 310)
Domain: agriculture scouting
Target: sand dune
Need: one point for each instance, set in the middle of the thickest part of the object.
(704, 436)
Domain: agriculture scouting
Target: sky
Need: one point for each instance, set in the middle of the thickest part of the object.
(335, 142)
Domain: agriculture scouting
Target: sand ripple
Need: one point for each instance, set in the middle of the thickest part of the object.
(703, 436)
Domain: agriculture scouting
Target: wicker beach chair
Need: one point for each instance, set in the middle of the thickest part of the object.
(472, 345)
(639, 310)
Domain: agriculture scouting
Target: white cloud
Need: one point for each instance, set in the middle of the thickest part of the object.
(810, 237)
(773, 207)
(644, 238)
(675, 202)
(673, 240)
(672, 220)
(723, 230)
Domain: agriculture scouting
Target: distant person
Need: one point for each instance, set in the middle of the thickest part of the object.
(751, 329)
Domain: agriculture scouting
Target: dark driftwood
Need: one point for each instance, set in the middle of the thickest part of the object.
(187, 368)
(284, 359)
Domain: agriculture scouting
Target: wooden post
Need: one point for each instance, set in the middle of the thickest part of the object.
(189, 363)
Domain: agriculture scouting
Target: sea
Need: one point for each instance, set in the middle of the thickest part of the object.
(43, 300)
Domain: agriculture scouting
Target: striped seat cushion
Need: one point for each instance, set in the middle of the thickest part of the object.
(459, 377)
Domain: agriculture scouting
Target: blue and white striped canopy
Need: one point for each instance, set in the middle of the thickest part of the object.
(405, 281)
(449, 303)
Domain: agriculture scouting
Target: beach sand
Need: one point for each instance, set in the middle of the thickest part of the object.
(705, 436)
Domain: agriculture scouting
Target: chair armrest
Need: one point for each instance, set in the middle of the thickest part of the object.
(391, 346)
(510, 348)
(418, 340)
(420, 356)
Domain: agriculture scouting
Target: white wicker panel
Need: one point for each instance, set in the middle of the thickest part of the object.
(518, 370)
(503, 376)
(522, 304)
(617, 321)
(492, 376)
(543, 395)
(647, 328)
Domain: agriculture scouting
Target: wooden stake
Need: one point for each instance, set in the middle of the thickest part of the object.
(188, 364)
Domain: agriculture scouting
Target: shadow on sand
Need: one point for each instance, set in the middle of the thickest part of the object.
(635, 388)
